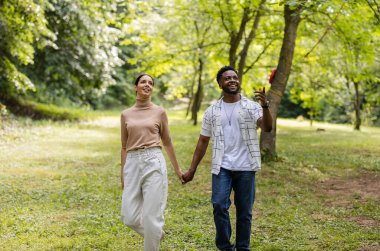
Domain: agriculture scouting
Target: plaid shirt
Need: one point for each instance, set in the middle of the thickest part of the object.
(249, 113)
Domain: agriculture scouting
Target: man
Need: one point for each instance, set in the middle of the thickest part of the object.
(232, 124)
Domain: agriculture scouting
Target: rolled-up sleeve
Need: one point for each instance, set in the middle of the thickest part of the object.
(206, 124)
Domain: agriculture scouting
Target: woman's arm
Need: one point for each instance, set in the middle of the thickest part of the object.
(168, 145)
(173, 159)
(123, 157)
(123, 151)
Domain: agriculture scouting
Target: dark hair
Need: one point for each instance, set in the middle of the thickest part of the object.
(222, 70)
(140, 76)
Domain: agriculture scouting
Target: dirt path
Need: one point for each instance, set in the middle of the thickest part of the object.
(342, 191)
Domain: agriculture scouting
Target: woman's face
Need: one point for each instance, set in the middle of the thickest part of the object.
(144, 87)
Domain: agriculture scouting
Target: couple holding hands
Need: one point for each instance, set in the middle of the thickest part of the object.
(231, 123)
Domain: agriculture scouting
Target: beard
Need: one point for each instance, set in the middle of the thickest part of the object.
(226, 90)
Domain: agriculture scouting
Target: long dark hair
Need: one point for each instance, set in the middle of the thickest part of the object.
(140, 76)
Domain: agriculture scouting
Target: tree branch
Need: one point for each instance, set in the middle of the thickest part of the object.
(208, 27)
(326, 31)
(223, 19)
(376, 12)
(259, 56)
(201, 47)
(252, 34)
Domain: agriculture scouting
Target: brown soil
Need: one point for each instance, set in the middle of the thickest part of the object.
(373, 247)
(341, 192)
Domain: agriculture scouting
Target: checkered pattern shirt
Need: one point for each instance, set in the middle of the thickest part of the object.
(249, 113)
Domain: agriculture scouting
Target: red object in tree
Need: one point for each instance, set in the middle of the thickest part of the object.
(272, 75)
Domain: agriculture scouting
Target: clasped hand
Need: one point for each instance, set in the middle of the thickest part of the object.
(188, 176)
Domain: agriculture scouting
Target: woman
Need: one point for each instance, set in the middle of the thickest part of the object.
(143, 168)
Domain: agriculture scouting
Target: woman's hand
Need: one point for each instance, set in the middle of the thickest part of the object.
(179, 174)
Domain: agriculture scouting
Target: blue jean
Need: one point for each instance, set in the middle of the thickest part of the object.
(243, 184)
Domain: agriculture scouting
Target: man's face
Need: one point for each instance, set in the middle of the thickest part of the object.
(229, 82)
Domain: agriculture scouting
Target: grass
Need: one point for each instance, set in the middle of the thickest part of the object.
(59, 189)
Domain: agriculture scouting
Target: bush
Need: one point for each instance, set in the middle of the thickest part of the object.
(38, 111)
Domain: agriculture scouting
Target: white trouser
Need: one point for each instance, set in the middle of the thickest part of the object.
(145, 194)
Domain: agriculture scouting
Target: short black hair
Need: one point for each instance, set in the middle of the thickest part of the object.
(222, 70)
(142, 75)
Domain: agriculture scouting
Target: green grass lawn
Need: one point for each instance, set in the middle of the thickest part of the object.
(59, 189)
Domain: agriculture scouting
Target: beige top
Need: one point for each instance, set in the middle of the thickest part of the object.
(144, 125)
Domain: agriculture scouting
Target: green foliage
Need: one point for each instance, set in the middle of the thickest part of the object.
(84, 60)
(22, 24)
(291, 107)
(328, 59)
(59, 49)
(87, 53)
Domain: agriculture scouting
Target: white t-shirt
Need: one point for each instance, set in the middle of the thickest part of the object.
(235, 156)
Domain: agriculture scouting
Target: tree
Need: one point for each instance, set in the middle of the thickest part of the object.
(352, 48)
(340, 24)
(248, 24)
(311, 87)
(178, 49)
(359, 60)
(292, 19)
(203, 24)
(355, 34)
(83, 62)
(63, 51)
(22, 26)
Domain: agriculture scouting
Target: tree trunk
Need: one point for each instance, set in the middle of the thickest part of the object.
(312, 104)
(189, 105)
(292, 20)
(232, 52)
(192, 91)
(198, 95)
(358, 120)
(236, 37)
(311, 118)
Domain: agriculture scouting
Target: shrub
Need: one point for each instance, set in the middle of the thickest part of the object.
(38, 111)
